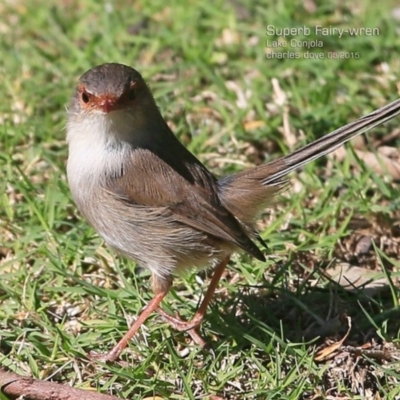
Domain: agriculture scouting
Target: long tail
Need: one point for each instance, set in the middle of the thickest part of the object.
(246, 193)
(332, 141)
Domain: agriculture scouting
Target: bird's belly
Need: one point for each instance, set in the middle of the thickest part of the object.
(152, 237)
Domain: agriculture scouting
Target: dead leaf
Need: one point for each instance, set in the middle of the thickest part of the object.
(363, 245)
(228, 37)
(280, 100)
(250, 125)
(354, 279)
(394, 134)
(386, 160)
(154, 398)
(243, 95)
(327, 352)
(310, 6)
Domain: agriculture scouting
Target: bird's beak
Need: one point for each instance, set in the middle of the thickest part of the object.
(108, 104)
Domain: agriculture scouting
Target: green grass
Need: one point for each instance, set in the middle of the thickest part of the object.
(63, 293)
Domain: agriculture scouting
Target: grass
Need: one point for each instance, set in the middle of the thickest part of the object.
(63, 293)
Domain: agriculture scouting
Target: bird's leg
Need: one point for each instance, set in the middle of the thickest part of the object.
(191, 326)
(161, 288)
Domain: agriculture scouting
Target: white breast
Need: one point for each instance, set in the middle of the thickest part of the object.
(96, 148)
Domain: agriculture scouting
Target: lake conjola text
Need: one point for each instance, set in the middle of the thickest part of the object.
(320, 30)
(308, 44)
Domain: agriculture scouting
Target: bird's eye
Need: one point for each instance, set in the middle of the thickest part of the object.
(132, 94)
(85, 97)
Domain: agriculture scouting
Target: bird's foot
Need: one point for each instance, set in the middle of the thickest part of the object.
(191, 327)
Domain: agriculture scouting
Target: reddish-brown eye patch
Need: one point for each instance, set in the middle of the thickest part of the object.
(107, 102)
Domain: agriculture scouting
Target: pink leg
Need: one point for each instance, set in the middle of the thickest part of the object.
(192, 325)
(114, 354)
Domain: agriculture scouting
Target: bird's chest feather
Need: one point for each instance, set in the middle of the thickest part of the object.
(96, 155)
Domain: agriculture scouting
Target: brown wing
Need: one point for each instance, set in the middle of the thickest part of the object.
(187, 188)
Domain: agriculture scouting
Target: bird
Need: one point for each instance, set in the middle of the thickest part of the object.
(154, 202)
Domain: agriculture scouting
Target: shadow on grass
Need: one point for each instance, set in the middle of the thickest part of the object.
(310, 316)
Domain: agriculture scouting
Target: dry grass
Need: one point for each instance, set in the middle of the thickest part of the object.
(63, 293)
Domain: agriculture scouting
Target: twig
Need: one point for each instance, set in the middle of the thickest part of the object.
(15, 386)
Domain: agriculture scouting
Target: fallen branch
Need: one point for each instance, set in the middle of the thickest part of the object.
(15, 386)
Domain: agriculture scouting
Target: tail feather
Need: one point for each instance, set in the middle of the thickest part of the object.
(331, 142)
(246, 193)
